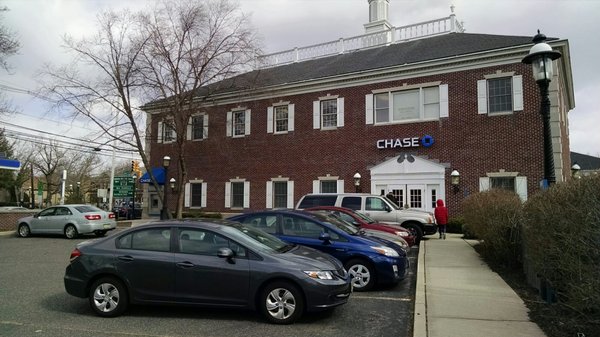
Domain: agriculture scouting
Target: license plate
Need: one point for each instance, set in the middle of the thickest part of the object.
(108, 226)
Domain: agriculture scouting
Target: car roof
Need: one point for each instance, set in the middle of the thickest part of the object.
(191, 222)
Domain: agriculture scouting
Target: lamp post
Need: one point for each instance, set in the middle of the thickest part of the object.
(357, 177)
(164, 214)
(134, 176)
(575, 170)
(78, 191)
(455, 180)
(540, 57)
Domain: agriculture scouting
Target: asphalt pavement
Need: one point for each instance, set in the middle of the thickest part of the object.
(459, 295)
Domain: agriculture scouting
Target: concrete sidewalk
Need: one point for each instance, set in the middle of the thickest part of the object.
(459, 295)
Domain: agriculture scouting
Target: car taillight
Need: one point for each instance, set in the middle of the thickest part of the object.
(93, 216)
(75, 254)
(111, 215)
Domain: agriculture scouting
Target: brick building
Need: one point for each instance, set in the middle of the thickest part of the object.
(403, 107)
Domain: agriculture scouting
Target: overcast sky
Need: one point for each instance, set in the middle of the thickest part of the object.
(284, 24)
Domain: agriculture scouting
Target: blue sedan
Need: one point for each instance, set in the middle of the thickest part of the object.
(367, 259)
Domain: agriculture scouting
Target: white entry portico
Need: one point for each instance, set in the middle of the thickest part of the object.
(414, 181)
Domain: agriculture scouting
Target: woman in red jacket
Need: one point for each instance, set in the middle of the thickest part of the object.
(441, 218)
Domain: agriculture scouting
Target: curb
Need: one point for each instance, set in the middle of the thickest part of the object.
(420, 315)
(8, 233)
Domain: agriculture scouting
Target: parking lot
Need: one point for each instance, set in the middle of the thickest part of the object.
(34, 302)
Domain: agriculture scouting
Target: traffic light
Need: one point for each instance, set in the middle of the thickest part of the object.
(135, 167)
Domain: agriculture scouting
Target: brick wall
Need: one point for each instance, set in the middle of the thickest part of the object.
(8, 220)
(472, 143)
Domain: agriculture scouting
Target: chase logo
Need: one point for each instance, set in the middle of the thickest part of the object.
(425, 141)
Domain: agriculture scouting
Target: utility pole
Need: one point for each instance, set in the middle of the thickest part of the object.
(32, 196)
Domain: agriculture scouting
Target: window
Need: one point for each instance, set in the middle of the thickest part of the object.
(237, 194)
(155, 239)
(281, 118)
(416, 198)
(399, 196)
(375, 204)
(280, 192)
(166, 131)
(352, 203)
(328, 113)
(433, 198)
(328, 186)
(296, 226)
(266, 223)
(505, 180)
(201, 242)
(238, 123)
(505, 183)
(195, 194)
(407, 105)
(198, 127)
(317, 200)
(500, 93)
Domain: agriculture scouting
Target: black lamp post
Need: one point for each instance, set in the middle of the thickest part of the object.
(540, 57)
(134, 176)
(455, 180)
(164, 214)
(79, 191)
(575, 170)
(357, 182)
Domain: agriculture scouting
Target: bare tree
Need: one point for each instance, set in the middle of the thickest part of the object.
(164, 55)
(9, 45)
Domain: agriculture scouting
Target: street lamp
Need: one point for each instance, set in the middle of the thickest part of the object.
(357, 177)
(134, 176)
(165, 211)
(78, 191)
(455, 180)
(540, 57)
(575, 170)
(172, 184)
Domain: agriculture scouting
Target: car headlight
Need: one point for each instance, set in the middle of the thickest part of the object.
(403, 234)
(319, 274)
(387, 251)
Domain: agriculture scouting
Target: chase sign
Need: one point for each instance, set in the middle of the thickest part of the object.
(425, 141)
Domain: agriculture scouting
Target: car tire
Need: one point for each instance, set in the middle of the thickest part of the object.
(23, 230)
(362, 274)
(70, 232)
(108, 297)
(281, 303)
(100, 233)
(416, 230)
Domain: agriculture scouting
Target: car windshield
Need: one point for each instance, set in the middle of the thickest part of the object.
(364, 217)
(87, 209)
(335, 221)
(256, 239)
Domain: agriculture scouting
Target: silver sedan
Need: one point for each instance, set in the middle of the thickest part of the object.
(69, 220)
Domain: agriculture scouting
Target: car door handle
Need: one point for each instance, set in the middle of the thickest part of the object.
(125, 258)
(185, 264)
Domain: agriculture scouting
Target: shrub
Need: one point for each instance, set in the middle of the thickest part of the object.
(494, 217)
(214, 215)
(561, 233)
(455, 224)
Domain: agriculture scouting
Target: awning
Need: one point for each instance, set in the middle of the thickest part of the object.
(9, 164)
(159, 174)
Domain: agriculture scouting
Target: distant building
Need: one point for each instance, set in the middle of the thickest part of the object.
(401, 106)
(587, 164)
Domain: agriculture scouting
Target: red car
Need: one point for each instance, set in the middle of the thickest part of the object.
(364, 222)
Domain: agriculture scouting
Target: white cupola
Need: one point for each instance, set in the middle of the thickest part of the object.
(378, 16)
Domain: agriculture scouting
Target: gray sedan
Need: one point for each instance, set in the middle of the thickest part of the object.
(69, 220)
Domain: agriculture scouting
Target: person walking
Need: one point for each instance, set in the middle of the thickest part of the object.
(441, 217)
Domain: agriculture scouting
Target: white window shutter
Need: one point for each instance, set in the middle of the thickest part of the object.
(188, 134)
(521, 187)
(247, 120)
(246, 194)
(161, 126)
(291, 109)
(316, 186)
(340, 186)
(517, 86)
(316, 115)
(203, 196)
(340, 112)
(270, 119)
(290, 194)
(482, 96)
(205, 131)
(186, 200)
(443, 100)
(484, 184)
(227, 194)
(269, 203)
(369, 109)
(228, 124)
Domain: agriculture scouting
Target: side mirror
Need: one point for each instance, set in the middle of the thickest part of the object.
(387, 208)
(36, 215)
(226, 253)
(325, 237)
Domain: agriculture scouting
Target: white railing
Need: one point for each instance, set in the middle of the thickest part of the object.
(394, 35)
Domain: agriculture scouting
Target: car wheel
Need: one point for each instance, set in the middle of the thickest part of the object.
(108, 297)
(70, 232)
(100, 233)
(24, 230)
(362, 274)
(281, 303)
(415, 230)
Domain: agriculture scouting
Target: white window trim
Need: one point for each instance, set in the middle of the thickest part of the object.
(190, 129)
(161, 130)
(318, 115)
(517, 93)
(228, 195)
(270, 195)
(188, 194)
(229, 123)
(442, 103)
(317, 184)
(271, 128)
(520, 182)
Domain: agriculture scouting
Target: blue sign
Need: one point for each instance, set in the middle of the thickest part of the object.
(427, 141)
(10, 164)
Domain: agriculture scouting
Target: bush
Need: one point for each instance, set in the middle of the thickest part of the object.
(561, 233)
(188, 215)
(455, 224)
(494, 217)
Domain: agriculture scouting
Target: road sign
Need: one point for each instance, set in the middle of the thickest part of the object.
(123, 187)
